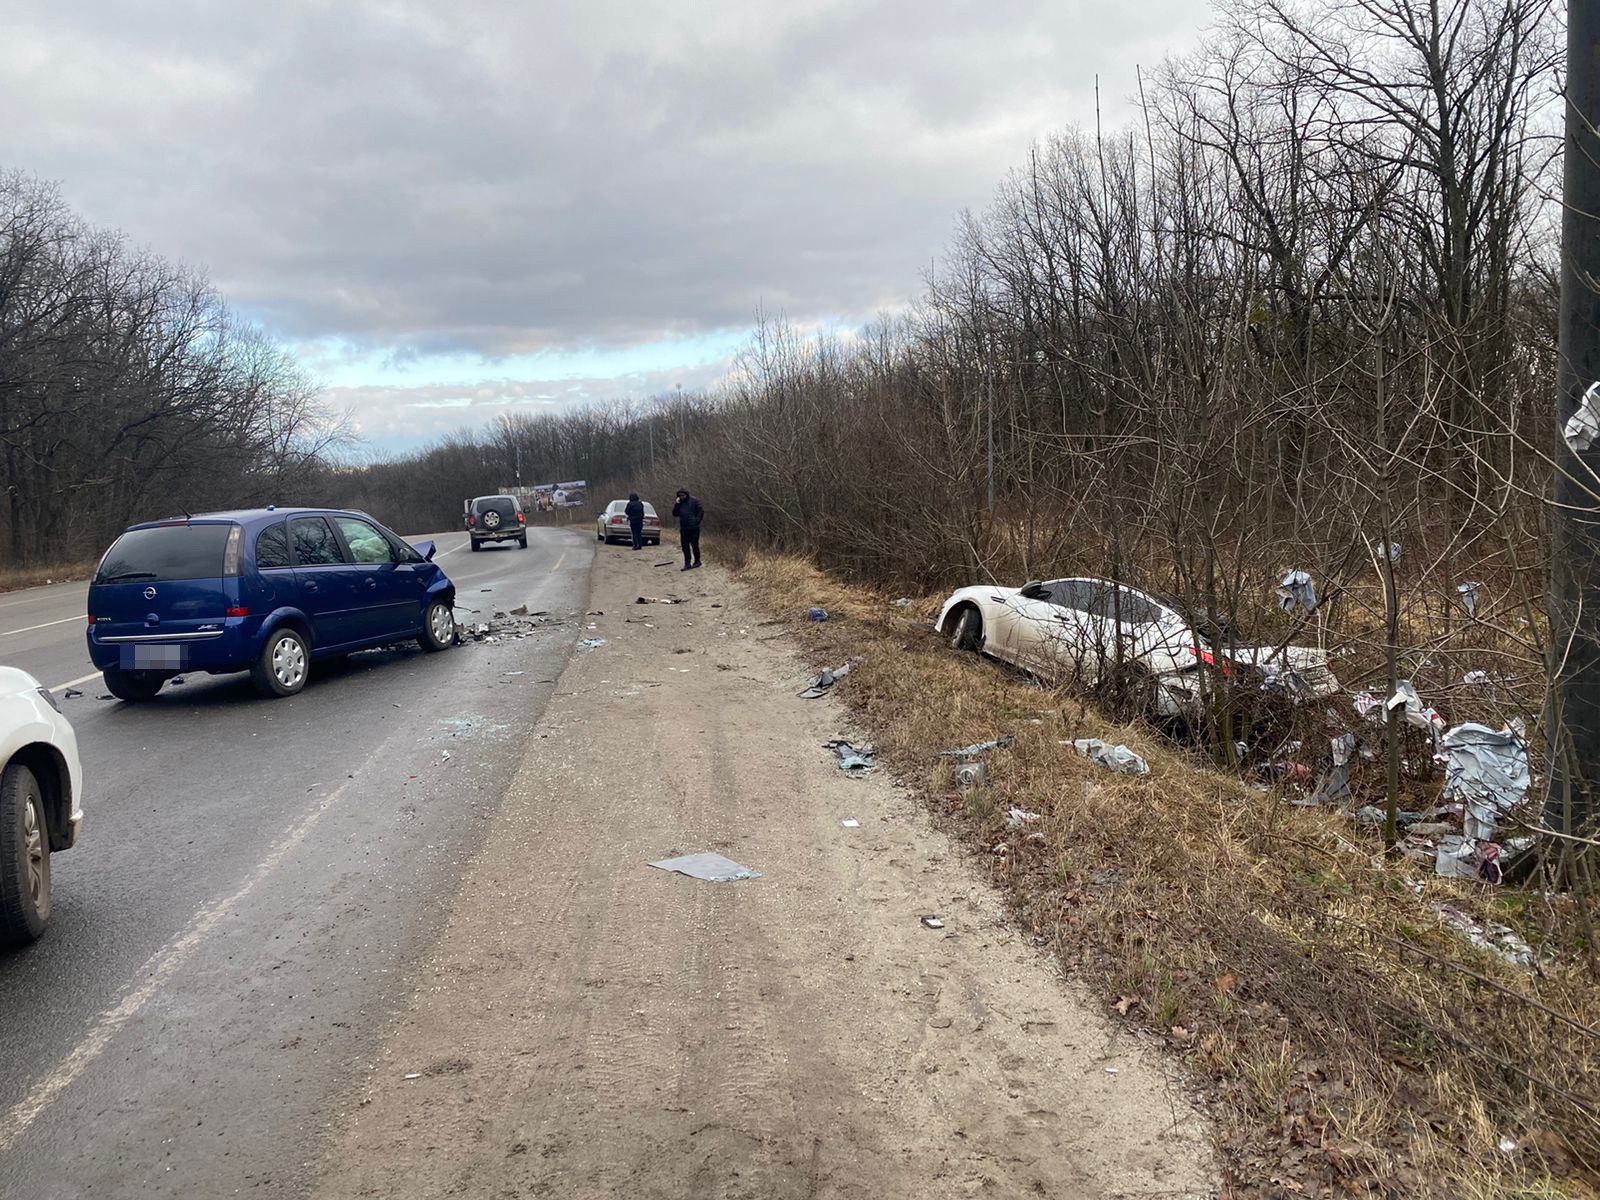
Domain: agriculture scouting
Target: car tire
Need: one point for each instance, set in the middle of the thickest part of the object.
(25, 853)
(132, 686)
(523, 541)
(476, 545)
(599, 537)
(438, 628)
(285, 661)
(969, 630)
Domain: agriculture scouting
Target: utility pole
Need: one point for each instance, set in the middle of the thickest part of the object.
(1573, 716)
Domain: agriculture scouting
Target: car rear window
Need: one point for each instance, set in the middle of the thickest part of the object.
(165, 552)
(504, 505)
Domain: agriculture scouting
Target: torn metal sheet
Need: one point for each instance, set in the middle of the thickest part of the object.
(1583, 426)
(978, 749)
(1117, 758)
(1295, 590)
(711, 867)
(1487, 770)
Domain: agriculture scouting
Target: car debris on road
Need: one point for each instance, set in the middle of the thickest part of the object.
(707, 865)
(823, 682)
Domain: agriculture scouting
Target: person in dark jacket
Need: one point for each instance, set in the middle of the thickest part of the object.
(635, 510)
(690, 512)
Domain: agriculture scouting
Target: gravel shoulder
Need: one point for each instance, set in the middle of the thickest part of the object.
(590, 1026)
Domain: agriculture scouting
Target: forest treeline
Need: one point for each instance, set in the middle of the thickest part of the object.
(127, 388)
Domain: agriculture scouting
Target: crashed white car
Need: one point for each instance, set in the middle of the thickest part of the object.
(39, 810)
(1074, 630)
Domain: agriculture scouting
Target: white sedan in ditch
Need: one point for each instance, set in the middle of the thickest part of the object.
(1073, 631)
(39, 813)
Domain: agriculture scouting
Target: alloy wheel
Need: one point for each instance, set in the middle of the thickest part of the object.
(33, 848)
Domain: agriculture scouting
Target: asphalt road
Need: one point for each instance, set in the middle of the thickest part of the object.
(254, 884)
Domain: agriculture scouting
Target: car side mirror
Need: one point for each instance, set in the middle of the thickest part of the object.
(1033, 589)
(426, 549)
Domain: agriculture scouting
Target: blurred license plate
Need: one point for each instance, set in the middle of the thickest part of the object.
(152, 658)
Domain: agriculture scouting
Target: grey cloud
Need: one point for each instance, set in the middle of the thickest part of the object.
(502, 177)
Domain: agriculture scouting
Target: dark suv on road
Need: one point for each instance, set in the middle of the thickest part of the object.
(267, 591)
(496, 519)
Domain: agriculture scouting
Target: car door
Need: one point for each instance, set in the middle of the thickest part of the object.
(385, 598)
(1065, 632)
(327, 583)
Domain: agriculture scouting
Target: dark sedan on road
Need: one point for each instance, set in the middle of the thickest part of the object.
(267, 591)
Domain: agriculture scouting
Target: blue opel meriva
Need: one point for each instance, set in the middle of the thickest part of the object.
(267, 591)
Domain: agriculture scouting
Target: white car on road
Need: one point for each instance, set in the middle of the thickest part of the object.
(39, 812)
(1072, 630)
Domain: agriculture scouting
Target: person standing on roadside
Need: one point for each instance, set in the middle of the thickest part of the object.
(690, 512)
(635, 510)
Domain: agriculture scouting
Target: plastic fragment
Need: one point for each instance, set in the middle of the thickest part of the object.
(971, 775)
(1117, 758)
(978, 749)
(817, 614)
(1469, 596)
(711, 867)
(820, 685)
(1295, 590)
(1583, 426)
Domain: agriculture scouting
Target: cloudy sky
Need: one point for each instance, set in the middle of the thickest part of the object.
(448, 209)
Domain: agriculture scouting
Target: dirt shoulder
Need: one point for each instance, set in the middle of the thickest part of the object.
(591, 1026)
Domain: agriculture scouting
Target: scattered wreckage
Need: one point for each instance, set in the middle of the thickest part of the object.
(1076, 630)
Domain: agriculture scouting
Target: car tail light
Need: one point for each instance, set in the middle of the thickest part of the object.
(238, 612)
(230, 555)
(91, 618)
(472, 522)
(617, 520)
(1210, 660)
(521, 520)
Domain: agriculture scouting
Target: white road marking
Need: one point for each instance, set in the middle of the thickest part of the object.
(158, 970)
(559, 561)
(31, 628)
(452, 550)
(61, 687)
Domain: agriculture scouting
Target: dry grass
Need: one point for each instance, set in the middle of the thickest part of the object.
(1349, 1040)
(14, 579)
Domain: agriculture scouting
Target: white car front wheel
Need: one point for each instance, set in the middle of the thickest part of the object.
(24, 857)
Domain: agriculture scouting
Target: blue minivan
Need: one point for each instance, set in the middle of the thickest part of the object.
(267, 591)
